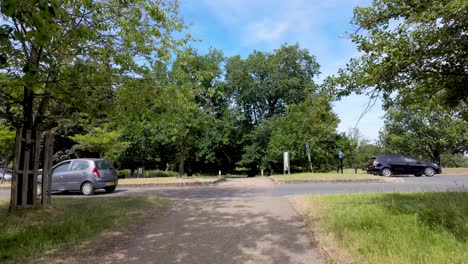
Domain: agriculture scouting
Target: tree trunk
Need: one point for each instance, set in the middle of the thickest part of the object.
(183, 154)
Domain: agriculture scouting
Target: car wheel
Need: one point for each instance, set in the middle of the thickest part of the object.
(87, 188)
(429, 172)
(418, 175)
(110, 189)
(39, 189)
(386, 172)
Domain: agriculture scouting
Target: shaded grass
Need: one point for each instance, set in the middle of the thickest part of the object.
(167, 180)
(31, 233)
(392, 227)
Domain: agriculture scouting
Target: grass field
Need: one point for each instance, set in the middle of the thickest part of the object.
(30, 233)
(391, 227)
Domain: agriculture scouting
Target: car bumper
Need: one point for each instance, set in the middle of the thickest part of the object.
(375, 171)
(102, 184)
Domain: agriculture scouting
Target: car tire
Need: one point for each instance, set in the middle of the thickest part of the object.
(417, 175)
(39, 189)
(429, 172)
(386, 172)
(87, 188)
(110, 189)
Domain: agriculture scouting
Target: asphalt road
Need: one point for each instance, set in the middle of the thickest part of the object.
(409, 184)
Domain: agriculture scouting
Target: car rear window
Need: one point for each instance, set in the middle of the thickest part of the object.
(103, 165)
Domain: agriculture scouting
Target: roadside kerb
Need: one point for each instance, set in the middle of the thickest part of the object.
(325, 251)
(377, 180)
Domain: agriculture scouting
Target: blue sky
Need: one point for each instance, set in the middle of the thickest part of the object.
(241, 26)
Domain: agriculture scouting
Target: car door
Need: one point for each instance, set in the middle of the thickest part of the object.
(58, 173)
(77, 174)
(398, 165)
(415, 165)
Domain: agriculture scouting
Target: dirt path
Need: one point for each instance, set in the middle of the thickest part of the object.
(213, 230)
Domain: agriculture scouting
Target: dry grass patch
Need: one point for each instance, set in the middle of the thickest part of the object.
(169, 181)
(330, 176)
(455, 171)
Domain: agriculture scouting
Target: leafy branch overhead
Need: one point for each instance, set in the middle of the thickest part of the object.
(414, 46)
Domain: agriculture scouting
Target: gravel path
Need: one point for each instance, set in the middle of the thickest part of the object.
(213, 230)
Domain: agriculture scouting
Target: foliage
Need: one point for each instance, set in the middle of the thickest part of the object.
(412, 46)
(58, 56)
(426, 129)
(454, 160)
(265, 83)
(7, 144)
(310, 122)
(106, 143)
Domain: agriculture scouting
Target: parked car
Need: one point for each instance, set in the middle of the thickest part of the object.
(8, 174)
(389, 165)
(85, 175)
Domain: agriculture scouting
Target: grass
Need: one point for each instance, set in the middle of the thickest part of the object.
(391, 227)
(328, 176)
(167, 180)
(68, 221)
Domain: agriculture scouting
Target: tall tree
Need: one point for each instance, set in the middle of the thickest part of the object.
(310, 122)
(265, 83)
(418, 46)
(74, 53)
(426, 129)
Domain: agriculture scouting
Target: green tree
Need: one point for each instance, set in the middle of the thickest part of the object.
(265, 83)
(425, 130)
(104, 142)
(7, 146)
(414, 46)
(74, 53)
(312, 122)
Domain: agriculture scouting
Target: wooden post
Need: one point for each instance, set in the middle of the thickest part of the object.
(37, 154)
(16, 163)
(47, 170)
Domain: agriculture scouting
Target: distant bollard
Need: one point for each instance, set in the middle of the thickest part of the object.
(219, 173)
(262, 172)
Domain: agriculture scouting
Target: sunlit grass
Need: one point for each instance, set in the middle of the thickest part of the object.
(33, 232)
(347, 174)
(392, 227)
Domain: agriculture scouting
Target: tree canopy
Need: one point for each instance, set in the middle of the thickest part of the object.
(416, 46)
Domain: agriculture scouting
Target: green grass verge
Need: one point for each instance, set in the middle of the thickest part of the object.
(31, 233)
(391, 227)
(347, 174)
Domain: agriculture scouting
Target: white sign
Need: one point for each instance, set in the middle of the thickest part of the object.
(286, 158)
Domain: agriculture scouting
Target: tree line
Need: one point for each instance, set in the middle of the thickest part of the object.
(112, 80)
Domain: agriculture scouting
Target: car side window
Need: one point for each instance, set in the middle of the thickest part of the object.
(79, 165)
(410, 160)
(62, 167)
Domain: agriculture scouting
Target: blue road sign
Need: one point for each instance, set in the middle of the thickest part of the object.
(307, 147)
(340, 155)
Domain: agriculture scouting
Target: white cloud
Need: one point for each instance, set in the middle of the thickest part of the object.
(265, 31)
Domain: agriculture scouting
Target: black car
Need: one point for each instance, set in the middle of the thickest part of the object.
(389, 165)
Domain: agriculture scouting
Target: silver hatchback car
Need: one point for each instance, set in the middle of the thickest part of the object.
(85, 175)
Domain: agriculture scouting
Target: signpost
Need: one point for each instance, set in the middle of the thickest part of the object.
(340, 157)
(286, 158)
(308, 156)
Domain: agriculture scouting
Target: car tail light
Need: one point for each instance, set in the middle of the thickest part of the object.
(96, 172)
(375, 163)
